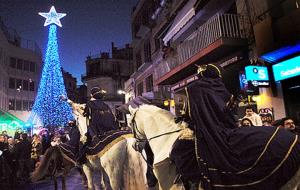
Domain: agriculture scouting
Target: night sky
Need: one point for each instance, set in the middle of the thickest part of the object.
(88, 29)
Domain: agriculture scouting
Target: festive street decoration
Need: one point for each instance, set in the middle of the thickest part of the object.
(53, 17)
(48, 109)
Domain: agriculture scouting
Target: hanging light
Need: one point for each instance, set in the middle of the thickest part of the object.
(166, 102)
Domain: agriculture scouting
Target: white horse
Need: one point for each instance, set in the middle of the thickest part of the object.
(159, 128)
(120, 165)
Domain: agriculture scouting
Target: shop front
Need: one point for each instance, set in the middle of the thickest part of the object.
(287, 73)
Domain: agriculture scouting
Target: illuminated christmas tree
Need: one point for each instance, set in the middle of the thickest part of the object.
(48, 109)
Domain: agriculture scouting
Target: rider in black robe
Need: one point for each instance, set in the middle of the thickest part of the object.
(100, 117)
(229, 157)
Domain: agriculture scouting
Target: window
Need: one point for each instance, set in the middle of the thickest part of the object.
(138, 59)
(26, 65)
(25, 85)
(140, 89)
(18, 83)
(18, 105)
(11, 104)
(31, 86)
(157, 43)
(25, 105)
(13, 62)
(31, 105)
(12, 83)
(32, 66)
(116, 68)
(147, 51)
(20, 64)
(149, 84)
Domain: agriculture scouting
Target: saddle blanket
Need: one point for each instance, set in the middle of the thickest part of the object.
(103, 143)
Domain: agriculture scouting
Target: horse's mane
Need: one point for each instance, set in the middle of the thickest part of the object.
(163, 116)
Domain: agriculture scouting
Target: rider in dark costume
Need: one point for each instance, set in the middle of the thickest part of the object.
(229, 157)
(99, 114)
(100, 120)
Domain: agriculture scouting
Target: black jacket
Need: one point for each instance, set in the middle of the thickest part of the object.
(101, 118)
(23, 150)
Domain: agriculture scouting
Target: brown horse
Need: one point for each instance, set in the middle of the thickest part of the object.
(56, 163)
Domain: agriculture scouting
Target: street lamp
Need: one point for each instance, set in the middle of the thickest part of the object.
(121, 92)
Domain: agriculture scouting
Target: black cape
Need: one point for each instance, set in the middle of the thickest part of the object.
(102, 119)
(231, 157)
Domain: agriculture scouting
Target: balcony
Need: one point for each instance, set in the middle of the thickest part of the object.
(219, 36)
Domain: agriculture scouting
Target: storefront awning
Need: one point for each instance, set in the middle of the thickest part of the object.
(281, 53)
(182, 18)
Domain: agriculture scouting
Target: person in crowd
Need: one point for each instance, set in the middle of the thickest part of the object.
(289, 124)
(254, 117)
(277, 123)
(3, 145)
(266, 123)
(245, 122)
(5, 169)
(18, 133)
(23, 152)
(4, 133)
(46, 140)
(12, 161)
(36, 150)
(11, 144)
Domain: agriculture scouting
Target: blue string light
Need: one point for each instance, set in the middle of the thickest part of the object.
(48, 109)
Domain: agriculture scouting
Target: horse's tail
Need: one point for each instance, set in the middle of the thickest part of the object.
(41, 170)
(135, 169)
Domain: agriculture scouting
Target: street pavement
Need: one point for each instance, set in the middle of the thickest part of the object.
(73, 182)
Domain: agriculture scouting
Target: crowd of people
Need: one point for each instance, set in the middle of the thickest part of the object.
(21, 154)
(253, 119)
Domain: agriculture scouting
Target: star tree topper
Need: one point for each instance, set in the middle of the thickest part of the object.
(53, 17)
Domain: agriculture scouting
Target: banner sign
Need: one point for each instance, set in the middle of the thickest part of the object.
(287, 69)
(256, 73)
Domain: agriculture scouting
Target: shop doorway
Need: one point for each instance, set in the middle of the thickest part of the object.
(291, 93)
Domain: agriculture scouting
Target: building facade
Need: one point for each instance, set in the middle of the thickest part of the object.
(81, 94)
(20, 71)
(70, 85)
(276, 28)
(109, 73)
(236, 35)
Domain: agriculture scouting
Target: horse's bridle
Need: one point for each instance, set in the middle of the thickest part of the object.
(135, 130)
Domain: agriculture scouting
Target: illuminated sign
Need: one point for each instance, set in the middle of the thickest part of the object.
(10, 126)
(281, 53)
(287, 69)
(256, 73)
(256, 83)
(243, 82)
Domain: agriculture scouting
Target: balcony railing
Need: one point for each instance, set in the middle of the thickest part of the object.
(219, 26)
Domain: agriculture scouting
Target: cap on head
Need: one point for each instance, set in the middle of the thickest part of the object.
(97, 93)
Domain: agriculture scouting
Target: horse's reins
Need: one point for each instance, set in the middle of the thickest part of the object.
(135, 129)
